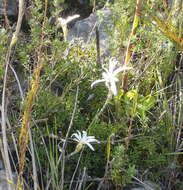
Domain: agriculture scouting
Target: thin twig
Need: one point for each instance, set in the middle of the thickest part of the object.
(73, 176)
(3, 110)
(109, 96)
(87, 180)
(35, 180)
(18, 82)
(129, 46)
(71, 121)
(82, 179)
(62, 156)
(7, 24)
(105, 175)
(10, 130)
(98, 46)
(144, 184)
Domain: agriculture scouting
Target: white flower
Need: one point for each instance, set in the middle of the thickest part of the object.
(65, 21)
(110, 76)
(83, 139)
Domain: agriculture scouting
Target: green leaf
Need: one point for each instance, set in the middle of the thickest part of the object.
(108, 148)
(132, 94)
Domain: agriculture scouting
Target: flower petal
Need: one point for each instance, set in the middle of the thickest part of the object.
(84, 137)
(120, 69)
(84, 133)
(75, 139)
(114, 79)
(70, 18)
(90, 146)
(112, 64)
(106, 70)
(113, 88)
(77, 135)
(92, 141)
(107, 76)
(62, 21)
(97, 81)
(90, 137)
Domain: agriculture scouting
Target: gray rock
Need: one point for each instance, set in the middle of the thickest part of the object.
(86, 29)
(148, 185)
(11, 7)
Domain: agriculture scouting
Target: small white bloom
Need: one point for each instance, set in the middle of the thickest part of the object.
(62, 22)
(110, 76)
(83, 139)
(65, 21)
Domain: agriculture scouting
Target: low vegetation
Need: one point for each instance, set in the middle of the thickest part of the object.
(69, 121)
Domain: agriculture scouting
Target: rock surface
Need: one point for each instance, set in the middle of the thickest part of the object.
(86, 29)
(148, 185)
(11, 7)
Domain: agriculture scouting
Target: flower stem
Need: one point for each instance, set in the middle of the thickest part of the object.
(109, 97)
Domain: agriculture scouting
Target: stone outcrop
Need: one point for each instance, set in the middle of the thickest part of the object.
(86, 29)
(11, 7)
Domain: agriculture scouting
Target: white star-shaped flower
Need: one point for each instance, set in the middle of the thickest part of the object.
(65, 21)
(110, 76)
(83, 139)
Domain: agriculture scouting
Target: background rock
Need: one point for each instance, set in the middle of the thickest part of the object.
(86, 29)
(11, 7)
(149, 185)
